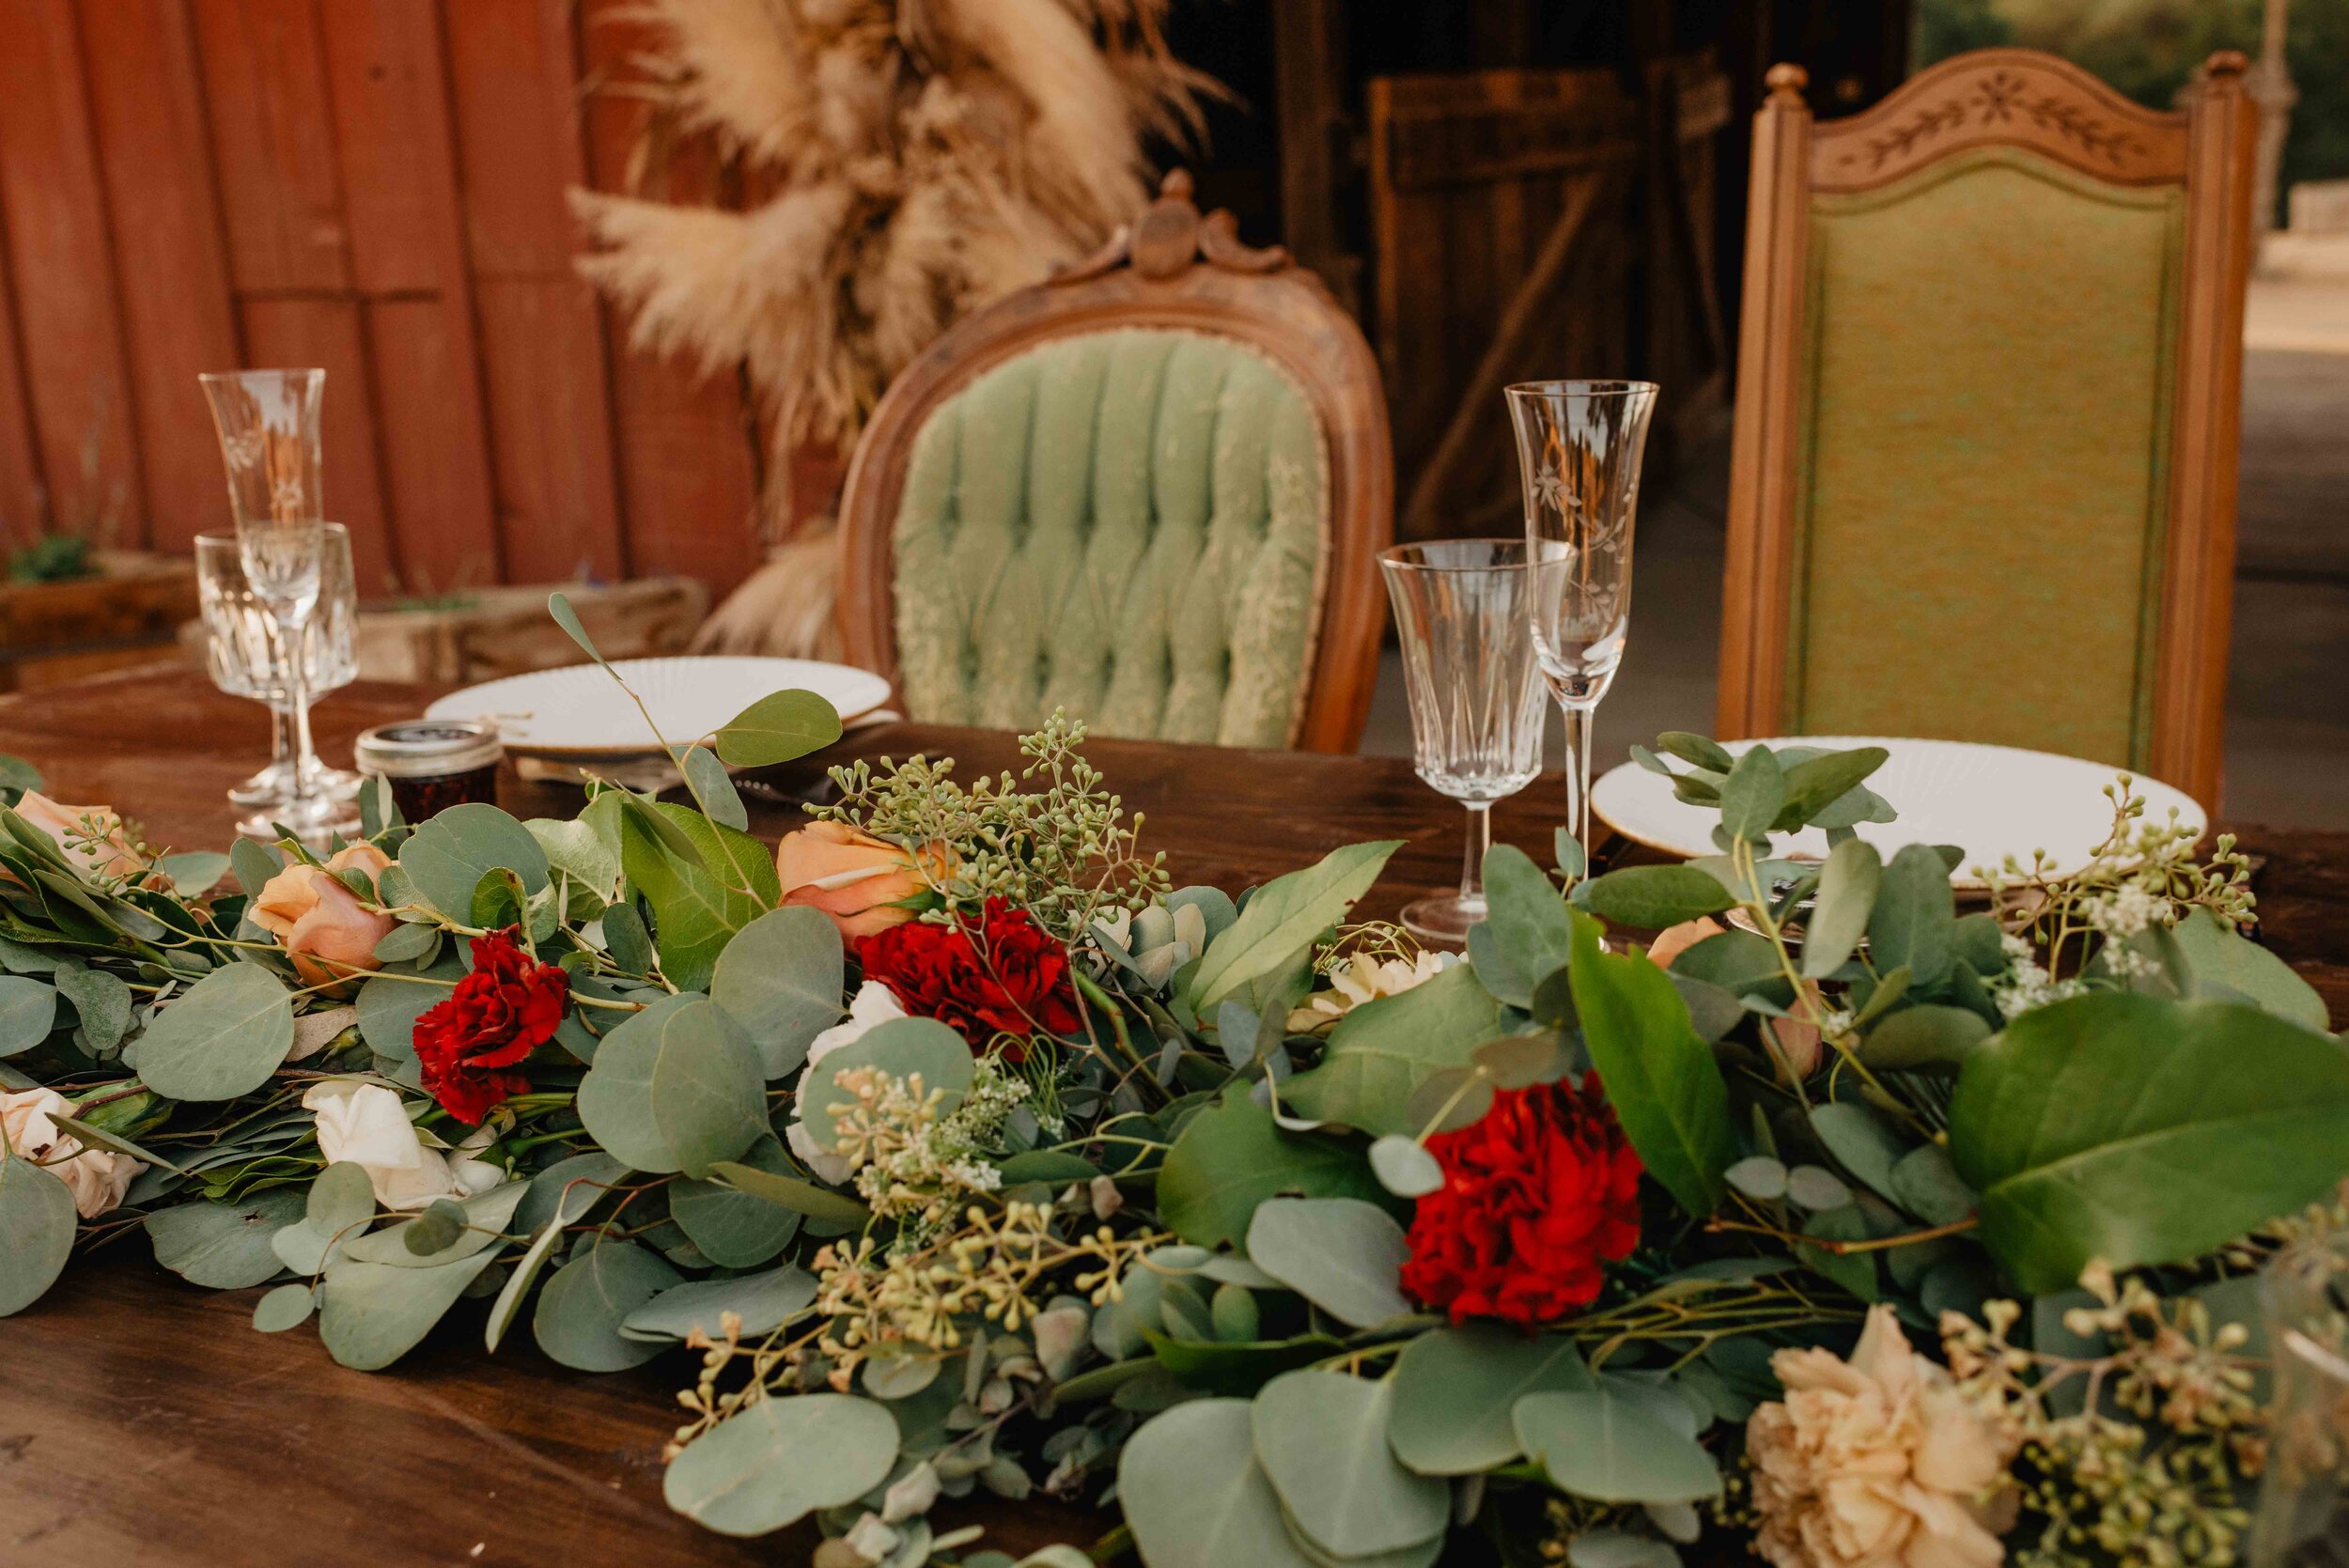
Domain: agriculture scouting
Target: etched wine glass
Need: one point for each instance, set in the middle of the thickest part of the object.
(242, 654)
(2303, 1518)
(1580, 444)
(271, 443)
(1463, 616)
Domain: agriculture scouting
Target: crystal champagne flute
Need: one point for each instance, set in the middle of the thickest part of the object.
(1463, 616)
(1579, 445)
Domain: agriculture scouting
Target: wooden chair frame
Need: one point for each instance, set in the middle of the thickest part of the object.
(1170, 268)
(2023, 99)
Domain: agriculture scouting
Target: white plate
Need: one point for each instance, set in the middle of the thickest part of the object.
(1990, 800)
(580, 711)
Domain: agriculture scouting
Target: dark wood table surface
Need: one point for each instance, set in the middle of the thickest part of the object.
(143, 1421)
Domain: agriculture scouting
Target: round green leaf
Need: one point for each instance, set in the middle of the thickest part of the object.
(1231, 1157)
(1926, 1035)
(677, 1087)
(780, 1460)
(1405, 1167)
(1816, 1188)
(1455, 1390)
(1651, 897)
(1321, 1439)
(1340, 1253)
(764, 1302)
(579, 1312)
(287, 1307)
(449, 855)
(222, 1039)
(778, 728)
(571, 1186)
(373, 1313)
(37, 1223)
(900, 1048)
(224, 1246)
(340, 1201)
(780, 978)
(28, 1010)
(1600, 1445)
(735, 1229)
(1195, 1497)
(1758, 1176)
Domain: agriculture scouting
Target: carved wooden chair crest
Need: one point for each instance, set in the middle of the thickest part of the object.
(1988, 413)
(1150, 489)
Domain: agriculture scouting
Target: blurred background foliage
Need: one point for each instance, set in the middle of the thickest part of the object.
(2147, 48)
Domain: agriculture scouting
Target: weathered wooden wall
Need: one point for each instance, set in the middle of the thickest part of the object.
(377, 187)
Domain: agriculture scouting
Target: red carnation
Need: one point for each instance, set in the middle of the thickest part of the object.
(507, 1007)
(1534, 1196)
(1008, 977)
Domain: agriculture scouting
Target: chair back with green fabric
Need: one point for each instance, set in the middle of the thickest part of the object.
(1983, 479)
(1150, 491)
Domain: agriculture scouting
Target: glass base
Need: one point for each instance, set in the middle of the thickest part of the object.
(273, 785)
(1443, 920)
(317, 827)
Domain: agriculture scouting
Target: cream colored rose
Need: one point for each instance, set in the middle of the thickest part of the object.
(91, 836)
(1362, 978)
(98, 1177)
(1876, 1462)
(321, 923)
(366, 1125)
(873, 1004)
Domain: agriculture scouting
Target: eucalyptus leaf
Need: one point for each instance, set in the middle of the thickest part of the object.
(1455, 1390)
(28, 1011)
(1340, 1253)
(1321, 1439)
(1925, 1035)
(447, 857)
(1752, 794)
(1861, 1143)
(195, 872)
(1927, 1185)
(713, 788)
(1231, 1157)
(2219, 961)
(625, 937)
(1195, 1497)
(2141, 1132)
(777, 1460)
(676, 1087)
(763, 1303)
(1913, 924)
(1600, 1445)
(1526, 915)
(341, 1200)
(790, 1192)
(1283, 918)
(287, 1307)
(220, 1039)
(1405, 1168)
(779, 727)
(582, 1308)
(1848, 895)
(254, 863)
(733, 1228)
(389, 1005)
(1383, 1049)
(37, 1223)
(902, 1048)
(224, 1246)
(781, 978)
(1652, 897)
(373, 1313)
(413, 942)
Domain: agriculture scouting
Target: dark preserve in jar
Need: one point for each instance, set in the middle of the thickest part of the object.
(434, 764)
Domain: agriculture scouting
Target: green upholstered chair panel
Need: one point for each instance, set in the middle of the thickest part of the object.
(1984, 458)
(1129, 524)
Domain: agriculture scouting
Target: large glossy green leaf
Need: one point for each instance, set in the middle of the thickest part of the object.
(1194, 1496)
(2143, 1131)
(1666, 1088)
(222, 1039)
(677, 1087)
(697, 908)
(780, 978)
(1455, 1390)
(37, 1223)
(1610, 1448)
(780, 1459)
(2221, 965)
(1321, 1438)
(1283, 917)
(450, 854)
(1383, 1049)
(1232, 1156)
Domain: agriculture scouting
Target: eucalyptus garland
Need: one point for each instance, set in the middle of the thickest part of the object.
(1751, 1196)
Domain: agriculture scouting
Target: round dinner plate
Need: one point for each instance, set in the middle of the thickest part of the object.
(578, 712)
(1990, 800)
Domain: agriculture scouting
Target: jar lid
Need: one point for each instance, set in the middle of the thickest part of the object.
(428, 748)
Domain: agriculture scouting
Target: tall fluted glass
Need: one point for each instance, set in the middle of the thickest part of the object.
(2303, 1519)
(1580, 444)
(271, 443)
(1463, 616)
(242, 652)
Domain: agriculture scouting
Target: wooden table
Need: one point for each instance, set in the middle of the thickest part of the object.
(143, 1421)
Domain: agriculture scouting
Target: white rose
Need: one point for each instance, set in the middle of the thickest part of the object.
(873, 1004)
(97, 1177)
(1361, 979)
(366, 1125)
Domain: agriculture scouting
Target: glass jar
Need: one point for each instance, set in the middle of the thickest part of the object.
(434, 764)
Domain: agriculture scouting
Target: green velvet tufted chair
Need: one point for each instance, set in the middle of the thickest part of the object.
(1987, 409)
(1150, 491)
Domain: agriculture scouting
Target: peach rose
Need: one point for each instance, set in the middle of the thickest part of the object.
(97, 1177)
(1673, 941)
(91, 836)
(319, 922)
(865, 884)
(1877, 1460)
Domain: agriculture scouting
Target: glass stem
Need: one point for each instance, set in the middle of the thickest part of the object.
(1579, 777)
(290, 643)
(280, 752)
(1480, 838)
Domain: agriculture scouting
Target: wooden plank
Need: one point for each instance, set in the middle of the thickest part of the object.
(386, 73)
(154, 148)
(292, 331)
(274, 138)
(687, 469)
(71, 334)
(513, 66)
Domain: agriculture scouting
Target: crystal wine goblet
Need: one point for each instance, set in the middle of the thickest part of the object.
(242, 653)
(1580, 444)
(269, 441)
(2303, 1512)
(1463, 615)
